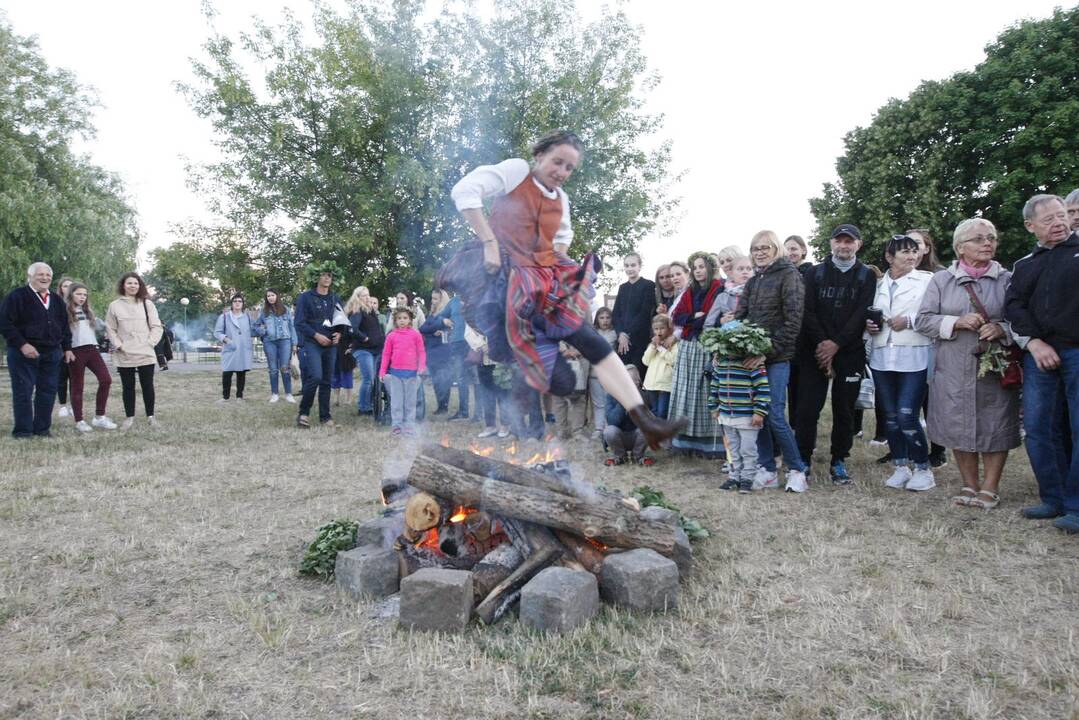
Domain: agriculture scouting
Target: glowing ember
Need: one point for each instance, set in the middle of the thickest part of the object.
(475, 449)
(445, 441)
(430, 541)
(461, 513)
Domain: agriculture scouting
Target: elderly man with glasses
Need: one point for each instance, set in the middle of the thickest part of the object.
(1042, 304)
(34, 323)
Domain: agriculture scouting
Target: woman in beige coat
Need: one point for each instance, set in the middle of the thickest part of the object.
(974, 416)
(134, 328)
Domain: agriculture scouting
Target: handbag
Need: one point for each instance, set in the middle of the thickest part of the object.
(1012, 376)
(867, 393)
(294, 366)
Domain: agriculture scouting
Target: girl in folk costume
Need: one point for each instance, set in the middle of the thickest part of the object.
(84, 327)
(536, 296)
(690, 386)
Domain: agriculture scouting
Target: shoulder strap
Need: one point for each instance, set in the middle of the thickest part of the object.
(146, 311)
(975, 301)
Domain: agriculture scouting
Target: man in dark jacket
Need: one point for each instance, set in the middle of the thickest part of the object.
(317, 344)
(1042, 304)
(621, 435)
(632, 314)
(839, 290)
(34, 323)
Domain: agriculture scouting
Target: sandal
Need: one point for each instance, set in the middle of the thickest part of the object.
(989, 504)
(965, 496)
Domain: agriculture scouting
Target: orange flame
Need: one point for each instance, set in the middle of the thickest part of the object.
(430, 540)
(461, 513)
(445, 441)
(475, 449)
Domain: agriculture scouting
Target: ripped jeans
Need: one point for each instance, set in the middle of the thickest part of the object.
(901, 395)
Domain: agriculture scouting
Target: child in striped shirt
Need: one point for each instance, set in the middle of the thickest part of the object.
(739, 399)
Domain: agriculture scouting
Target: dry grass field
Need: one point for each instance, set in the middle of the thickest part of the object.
(154, 575)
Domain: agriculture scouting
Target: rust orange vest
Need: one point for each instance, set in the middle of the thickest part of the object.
(525, 222)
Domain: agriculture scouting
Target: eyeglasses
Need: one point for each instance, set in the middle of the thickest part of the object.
(981, 239)
(761, 249)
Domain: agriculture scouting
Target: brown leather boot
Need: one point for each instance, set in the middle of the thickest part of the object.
(654, 429)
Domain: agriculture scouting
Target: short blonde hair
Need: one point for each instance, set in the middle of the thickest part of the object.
(964, 228)
(731, 252)
(771, 238)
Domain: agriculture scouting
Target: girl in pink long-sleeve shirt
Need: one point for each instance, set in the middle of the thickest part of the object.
(403, 359)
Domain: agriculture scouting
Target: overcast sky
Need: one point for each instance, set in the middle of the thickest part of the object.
(757, 96)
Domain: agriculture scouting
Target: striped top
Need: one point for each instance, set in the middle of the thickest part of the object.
(737, 392)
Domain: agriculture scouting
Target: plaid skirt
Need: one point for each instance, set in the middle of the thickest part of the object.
(689, 397)
(523, 310)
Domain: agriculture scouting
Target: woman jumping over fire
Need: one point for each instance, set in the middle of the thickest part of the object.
(533, 295)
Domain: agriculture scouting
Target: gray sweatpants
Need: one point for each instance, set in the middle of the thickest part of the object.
(619, 442)
(742, 444)
(402, 400)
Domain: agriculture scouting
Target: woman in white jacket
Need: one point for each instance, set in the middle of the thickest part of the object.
(899, 359)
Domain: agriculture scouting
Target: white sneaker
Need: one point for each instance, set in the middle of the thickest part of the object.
(153, 421)
(922, 480)
(127, 424)
(81, 426)
(103, 422)
(65, 411)
(290, 399)
(796, 481)
(899, 478)
(274, 398)
(487, 432)
(506, 433)
(765, 480)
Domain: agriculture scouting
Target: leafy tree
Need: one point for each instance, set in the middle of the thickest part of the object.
(55, 206)
(977, 144)
(347, 150)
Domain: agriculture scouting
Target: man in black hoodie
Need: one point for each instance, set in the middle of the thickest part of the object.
(839, 290)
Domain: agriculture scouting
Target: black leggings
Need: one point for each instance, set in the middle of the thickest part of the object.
(226, 383)
(146, 382)
(589, 343)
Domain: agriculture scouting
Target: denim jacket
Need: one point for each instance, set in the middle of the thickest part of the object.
(275, 327)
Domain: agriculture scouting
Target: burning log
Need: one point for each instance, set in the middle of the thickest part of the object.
(603, 517)
(496, 470)
(544, 550)
(587, 553)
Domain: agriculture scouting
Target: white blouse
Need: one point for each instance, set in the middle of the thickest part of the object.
(489, 181)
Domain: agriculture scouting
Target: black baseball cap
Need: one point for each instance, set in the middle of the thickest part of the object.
(847, 229)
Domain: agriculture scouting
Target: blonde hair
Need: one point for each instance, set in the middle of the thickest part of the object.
(772, 239)
(731, 252)
(443, 300)
(355, 302)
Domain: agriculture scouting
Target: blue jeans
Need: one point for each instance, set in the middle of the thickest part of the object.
(900, 395)
(661, 403)
(779, 374)
(316, 369)
(33, 390)
(365, 361)
(1058, 479)
(278, 354)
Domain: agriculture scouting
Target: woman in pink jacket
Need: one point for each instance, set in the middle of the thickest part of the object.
(403, 359)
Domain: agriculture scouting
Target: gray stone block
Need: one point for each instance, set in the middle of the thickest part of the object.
(370, 571)
(683, 557)
(436, 599)
(559, 599)
(640, 579)
(381, 531)
(660, 514)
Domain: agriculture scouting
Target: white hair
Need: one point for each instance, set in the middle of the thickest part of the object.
(964, 228)
(32, 270)
(1073, 198)
(1037, 201)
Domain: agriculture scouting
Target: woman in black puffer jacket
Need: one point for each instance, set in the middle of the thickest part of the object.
(774, 298)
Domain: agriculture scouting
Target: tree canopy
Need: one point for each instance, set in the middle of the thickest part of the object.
(347, 149)
(55, 206)
(977, 144)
